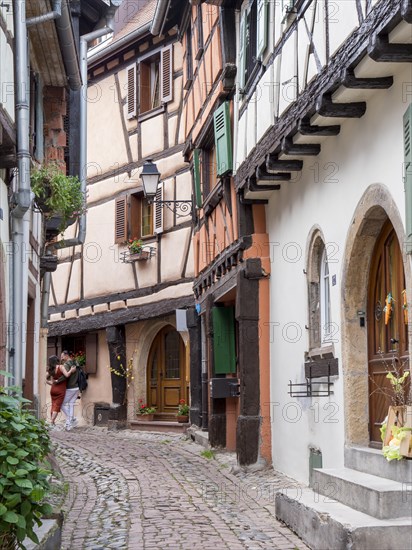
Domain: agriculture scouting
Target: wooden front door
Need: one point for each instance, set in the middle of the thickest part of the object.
(166, 371)
(387, 333)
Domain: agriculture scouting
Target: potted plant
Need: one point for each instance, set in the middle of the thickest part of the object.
(183, 411)
(136, 251)
(58, 196)
(145, 411)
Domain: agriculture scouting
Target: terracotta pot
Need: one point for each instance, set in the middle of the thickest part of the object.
(147, 417)
(182, 418)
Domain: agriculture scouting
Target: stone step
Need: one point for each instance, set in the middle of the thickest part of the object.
(376, 496)
(327, 525)
(372, 461)
(155, 426)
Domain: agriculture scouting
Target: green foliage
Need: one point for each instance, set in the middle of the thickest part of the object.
(24, 444)
(208, 454)
(57, 194)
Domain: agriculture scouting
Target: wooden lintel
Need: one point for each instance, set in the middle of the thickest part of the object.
(380, 49)
(305, 149)
(349, 80)
(325, 107)
(273, 164)
(305, 129)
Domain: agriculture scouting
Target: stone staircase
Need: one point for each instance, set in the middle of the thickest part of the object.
(367, 505)
(162, 422)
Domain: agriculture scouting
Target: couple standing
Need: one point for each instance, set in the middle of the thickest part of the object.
(63, 378)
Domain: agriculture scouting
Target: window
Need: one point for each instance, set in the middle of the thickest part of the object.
(188, 59)
(154, 80)
(253, 38)
(320, 322)
(198, 31)
(135, 217)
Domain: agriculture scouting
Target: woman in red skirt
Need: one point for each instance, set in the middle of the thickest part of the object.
(58, 389)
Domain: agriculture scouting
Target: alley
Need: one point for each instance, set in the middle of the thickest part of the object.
(146, 491)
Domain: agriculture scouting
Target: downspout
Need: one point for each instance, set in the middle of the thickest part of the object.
(20, 214)
(55, 14)
(79, 240)
(158, 18)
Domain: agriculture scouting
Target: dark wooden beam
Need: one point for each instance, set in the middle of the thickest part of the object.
(254, 187)
(380, 49)
(349, 80)
(322, 367)
(8, 157)
(305, 149)
(263, 175)
(273, 164)
(406, 10)
(325, 107)
(306, 129)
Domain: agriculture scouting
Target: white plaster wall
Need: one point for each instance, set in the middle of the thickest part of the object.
(152, 135)
(367, 151)
(173, 249)
(7, 64)
(343, 20)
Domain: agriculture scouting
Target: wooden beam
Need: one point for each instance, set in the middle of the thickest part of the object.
(273, 164)
(263, 176)
(380, 49)
(253, 186)
(349, 80)
(306, 129)
(299, 149)
(406, 10)
(325, 107)
(8, 157)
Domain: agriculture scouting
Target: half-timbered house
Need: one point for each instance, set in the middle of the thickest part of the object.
(230, 363)
(323, 138)
(115, 304)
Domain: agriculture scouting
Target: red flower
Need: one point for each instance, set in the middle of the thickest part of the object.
(182, 401)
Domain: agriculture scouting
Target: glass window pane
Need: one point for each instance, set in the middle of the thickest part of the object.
(147, 218)
(172, 355)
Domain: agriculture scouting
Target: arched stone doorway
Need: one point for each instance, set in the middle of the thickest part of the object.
(375, 209)
(166, 371)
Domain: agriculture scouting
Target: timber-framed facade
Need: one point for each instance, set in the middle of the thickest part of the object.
(115, 305)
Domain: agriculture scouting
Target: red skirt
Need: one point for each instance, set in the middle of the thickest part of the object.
(57, 393)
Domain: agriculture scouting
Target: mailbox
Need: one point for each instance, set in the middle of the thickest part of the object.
(221, 388)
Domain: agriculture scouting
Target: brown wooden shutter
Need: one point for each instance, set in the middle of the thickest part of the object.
(91, 353)
(166, 70)
(120, 221)
(131, 91)
(158, 210)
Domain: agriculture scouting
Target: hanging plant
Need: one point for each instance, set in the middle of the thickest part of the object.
(57, 195)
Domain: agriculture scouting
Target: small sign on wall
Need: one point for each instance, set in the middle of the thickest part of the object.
(181, 324)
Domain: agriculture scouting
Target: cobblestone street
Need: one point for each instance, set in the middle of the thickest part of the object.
(156, 491)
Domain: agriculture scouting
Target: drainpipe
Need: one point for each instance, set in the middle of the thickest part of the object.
(20, 215)
(158, 18)
(79, 240)
(55, 14)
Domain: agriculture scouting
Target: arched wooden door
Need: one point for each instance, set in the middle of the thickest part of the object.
(166, 371)
(387, 334)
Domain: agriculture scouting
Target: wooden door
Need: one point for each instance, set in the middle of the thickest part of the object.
(166, 371)
(387, 337)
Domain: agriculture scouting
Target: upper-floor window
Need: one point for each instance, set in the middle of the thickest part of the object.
(325, 318)
(136, 218)
(253, 38)
(150, 82)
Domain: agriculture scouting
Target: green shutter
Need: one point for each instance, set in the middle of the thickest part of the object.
(224, 350)
(223, 139)
(242, 50)
(407, 131)
(196, 177)
(262, 26)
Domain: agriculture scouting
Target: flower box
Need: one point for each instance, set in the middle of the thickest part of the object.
(143, 255)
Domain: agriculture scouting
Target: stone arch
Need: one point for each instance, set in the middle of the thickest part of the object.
(314, 250)
(374, 208)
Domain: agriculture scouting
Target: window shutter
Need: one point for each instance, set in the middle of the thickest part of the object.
(91, 353)
(166, 69)
(224, 350)
(158, 211)
(131, 91)
(262, 26)
(242, 50)
(223, 139)
(407, 131)
(196, 177)
(120, 223)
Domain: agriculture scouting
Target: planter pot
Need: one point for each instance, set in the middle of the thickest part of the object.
(143, 255)
(401, 417)
(146, 417)
(53, 225)
(182, 418)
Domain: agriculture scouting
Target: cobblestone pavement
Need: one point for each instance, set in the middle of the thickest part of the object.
(150, 491)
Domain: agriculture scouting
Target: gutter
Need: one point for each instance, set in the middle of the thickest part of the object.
(68, 48)
(162, 8)
(55, 14)
(114, 46)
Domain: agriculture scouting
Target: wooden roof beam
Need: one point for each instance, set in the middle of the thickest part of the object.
(349, 80)
(264, 177)
(299, 149)
(325, 107)
(380, 49)
(306, 129)
(273, 164)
